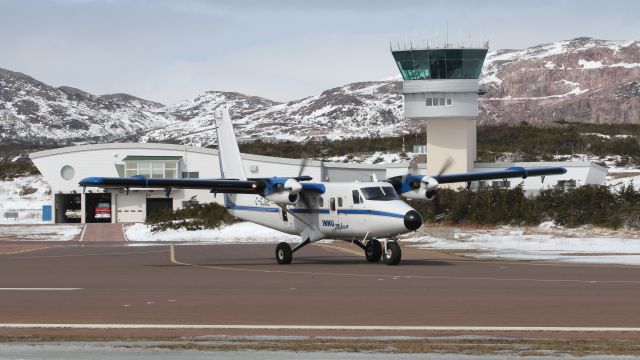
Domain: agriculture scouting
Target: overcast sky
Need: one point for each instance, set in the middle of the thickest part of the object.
(169, 51)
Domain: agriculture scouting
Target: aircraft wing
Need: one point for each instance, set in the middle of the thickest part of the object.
(215, 185)
(512, 172)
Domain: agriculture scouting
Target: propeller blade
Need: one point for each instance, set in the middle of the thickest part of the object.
(303, 165)
(439, 212)
(447, 164)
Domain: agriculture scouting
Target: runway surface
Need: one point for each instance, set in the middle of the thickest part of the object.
(329, 288)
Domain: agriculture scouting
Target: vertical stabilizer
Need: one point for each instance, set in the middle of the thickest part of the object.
(231, 166)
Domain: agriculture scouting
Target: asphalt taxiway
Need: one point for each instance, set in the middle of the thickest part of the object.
(75, 288)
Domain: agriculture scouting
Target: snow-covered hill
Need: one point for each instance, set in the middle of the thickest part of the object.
(357, 109)
(579, 80)
(32, 112)
(582, 80)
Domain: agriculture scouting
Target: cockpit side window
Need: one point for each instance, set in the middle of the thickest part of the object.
(356, 196)
(380, 193)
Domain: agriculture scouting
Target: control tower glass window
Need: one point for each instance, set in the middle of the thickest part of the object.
(428, 64)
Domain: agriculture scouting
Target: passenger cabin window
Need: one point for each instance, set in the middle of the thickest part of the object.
(332, 204)
(356, 196)
(321, 201)
(340, 202)
(380, 193)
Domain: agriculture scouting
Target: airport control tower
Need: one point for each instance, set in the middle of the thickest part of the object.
(441, 87)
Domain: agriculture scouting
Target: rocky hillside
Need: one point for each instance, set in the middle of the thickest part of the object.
(358, 109)
(32, 112)
(579, 80)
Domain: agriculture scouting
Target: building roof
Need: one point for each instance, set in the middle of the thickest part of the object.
(145, 157)
(202, 150)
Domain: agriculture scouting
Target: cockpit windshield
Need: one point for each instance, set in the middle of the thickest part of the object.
(382, 193)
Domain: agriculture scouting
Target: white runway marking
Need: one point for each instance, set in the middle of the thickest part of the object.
(39, 289)
(319, 327)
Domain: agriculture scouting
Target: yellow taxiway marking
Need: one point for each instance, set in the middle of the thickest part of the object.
(27, 250)
(92, 254)
(354, 252)
(173, 260)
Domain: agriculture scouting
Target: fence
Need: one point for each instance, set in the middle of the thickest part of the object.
(26, 216)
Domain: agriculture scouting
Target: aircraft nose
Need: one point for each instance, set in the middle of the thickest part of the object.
(412, 220)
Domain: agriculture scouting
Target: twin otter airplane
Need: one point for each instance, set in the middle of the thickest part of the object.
(360, 212)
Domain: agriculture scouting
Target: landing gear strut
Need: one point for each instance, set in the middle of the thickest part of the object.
(392, 253)
(284, 253)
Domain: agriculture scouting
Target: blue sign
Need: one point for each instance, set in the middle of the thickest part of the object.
(46, 212)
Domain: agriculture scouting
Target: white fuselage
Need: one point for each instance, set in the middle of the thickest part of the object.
(345, 211)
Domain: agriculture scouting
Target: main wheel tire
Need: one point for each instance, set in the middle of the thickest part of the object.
(373, 251)
(284, 255)
(393, 254)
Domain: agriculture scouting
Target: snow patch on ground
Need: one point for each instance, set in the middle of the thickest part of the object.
(585, 64)
(243, 232)
(58, 232)
(378, 157)
(28, 205)
(545, 243)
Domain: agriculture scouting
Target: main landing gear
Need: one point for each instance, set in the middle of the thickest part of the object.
(373, 251)
(284, 253)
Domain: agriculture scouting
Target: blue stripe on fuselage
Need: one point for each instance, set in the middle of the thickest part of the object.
(370, 212)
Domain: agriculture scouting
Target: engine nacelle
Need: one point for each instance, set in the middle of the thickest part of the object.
(283, 198)
(285, 193)
(425, 189)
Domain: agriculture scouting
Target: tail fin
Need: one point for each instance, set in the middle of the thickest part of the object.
(231, 166)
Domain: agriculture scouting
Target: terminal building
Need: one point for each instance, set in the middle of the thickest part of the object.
(440, 91)
(63, 168)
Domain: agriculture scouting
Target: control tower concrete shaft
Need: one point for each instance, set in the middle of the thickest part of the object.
(441, 87)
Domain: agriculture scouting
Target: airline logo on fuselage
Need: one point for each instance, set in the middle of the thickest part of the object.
(334, 225)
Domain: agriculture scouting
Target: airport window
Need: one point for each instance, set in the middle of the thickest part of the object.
(190, 174)
(332, 204)
(439, 102)
(356, 196)
(67, 172)
(567, 184)
(189, 203)
(152, 169)
(339, 202)
(501, 184)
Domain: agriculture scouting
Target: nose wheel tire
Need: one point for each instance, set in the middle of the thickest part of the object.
(284, 254)
(392, 254)
(373, 251)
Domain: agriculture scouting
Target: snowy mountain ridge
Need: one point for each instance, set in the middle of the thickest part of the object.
(583, 79)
